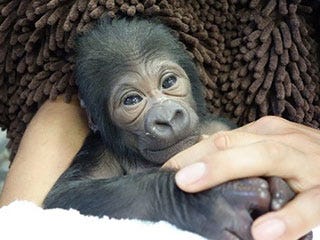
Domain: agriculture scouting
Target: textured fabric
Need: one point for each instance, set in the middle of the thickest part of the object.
(36, 223)
(255, 57)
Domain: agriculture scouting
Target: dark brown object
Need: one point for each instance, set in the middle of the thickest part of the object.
(255, 57)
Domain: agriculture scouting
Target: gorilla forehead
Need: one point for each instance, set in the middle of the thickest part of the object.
(109, 49)
(125, 41)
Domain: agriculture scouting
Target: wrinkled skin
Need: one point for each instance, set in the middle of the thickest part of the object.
(144, 100)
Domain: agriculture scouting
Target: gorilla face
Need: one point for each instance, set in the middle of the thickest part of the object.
(153, 106)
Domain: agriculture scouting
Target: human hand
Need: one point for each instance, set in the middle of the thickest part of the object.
(270, 146)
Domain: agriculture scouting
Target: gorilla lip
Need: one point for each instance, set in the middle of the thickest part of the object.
(163, 154)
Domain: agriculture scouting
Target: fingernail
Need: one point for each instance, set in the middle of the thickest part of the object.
(190, 174)
(271, 229)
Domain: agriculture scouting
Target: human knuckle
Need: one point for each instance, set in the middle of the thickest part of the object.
(271, 120)
(221, 140)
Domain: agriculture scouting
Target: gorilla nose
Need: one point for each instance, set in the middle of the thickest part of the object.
(167, 120)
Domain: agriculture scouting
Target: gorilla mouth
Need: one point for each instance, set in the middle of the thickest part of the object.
(161, 155)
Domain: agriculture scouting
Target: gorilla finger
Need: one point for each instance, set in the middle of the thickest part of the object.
(308, 236)
(225, 235)
(281, 193)
(248, 193)
(240, 225)
(236, 225)
(295, 220)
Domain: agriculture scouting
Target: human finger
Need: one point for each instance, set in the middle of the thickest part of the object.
(264, 158)
(229, 139)
(277, 125)
(279, 129)
(305, 146)
(209, 145)
(192, 154)
(296, 219)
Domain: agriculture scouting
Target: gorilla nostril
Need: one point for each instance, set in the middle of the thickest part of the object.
(161, 123)
(178, 115)
(162, 128)
(168, 121)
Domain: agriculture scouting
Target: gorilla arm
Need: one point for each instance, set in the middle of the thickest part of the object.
(217, 213)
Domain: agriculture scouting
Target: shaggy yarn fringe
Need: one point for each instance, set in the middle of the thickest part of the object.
(255, 57)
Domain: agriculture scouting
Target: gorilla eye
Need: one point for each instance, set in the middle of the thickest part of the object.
(169, 81)
(132, 99)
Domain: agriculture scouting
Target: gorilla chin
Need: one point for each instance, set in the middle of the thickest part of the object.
(160, 156)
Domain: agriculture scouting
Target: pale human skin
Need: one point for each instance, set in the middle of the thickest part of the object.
(270, 146)
(51, 140)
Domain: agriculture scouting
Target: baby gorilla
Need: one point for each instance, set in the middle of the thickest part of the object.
(144, 99)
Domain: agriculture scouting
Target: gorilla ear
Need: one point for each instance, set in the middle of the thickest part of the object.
(91, 123)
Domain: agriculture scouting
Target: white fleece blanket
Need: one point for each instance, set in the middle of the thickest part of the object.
(24, 220)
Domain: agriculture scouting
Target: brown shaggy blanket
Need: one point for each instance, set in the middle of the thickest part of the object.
(255, 57)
